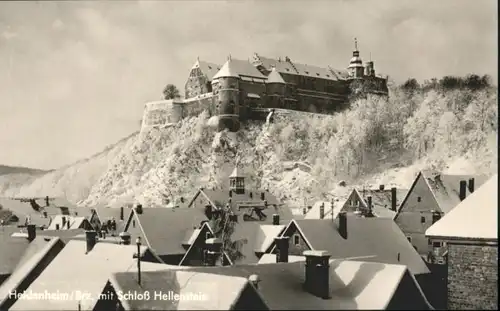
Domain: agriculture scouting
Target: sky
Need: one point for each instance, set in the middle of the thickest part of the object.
(74, 76)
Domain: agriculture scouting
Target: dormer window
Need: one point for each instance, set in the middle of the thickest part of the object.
(209, 67)
(317, 74)
(307, 72)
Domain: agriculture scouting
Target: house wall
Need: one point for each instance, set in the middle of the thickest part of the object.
(108, 300)
(294, 249)
(410, 217)
(195, 255)
(352, 202)
(472, 277)
(434, 285)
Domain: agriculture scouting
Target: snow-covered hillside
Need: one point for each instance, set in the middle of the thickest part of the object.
(299, 157)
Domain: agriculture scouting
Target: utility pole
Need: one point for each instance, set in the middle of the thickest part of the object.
(138, 242)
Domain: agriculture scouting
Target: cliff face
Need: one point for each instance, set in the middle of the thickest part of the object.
(300, 157)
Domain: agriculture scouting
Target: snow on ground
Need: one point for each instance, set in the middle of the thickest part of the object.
(171, 163)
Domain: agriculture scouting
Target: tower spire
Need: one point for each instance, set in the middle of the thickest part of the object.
(355, 44)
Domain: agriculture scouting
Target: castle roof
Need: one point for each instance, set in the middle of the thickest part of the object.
(275, 77)
(238, 68)
(208, 69)
(226, 71)
(289, 67)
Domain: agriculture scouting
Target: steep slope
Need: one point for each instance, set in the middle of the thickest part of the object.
(299, 157)
(72, 181)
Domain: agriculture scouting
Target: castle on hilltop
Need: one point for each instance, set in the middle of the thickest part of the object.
(250, 89)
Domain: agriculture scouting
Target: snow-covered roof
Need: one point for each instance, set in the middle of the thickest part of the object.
(476, 217)
(275, 77)
(239, 69)
(236, 173)
(226, 71)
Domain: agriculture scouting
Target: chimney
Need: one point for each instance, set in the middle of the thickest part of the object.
(121, 213)
(343, 224)
(254, 280)
(31, 232)
(394, 202)
(463, 190)
(214, 246)
(322, 211)
(471, 185)
(381, 187)
(138, 209)
(124, 238)
(276, 219)
(370, 206)
(282, 249)
(317, 273)
(91, 238)
(262, 196)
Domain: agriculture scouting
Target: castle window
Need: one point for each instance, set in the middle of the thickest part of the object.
(419, 199)
(296, 239)
(422, 219)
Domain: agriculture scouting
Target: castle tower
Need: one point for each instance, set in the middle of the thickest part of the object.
(226, 81)
(370, 68)
(275, 87)
(236, 181)
(356, 68)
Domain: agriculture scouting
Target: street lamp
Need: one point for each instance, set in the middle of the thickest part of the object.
(138, 243)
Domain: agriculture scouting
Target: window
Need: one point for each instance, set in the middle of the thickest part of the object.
(436, 244)
(408, 238)
(422, 219)
(296, 239)
(419, 199)
(435, 217)
(207, 235)
(133, 223)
